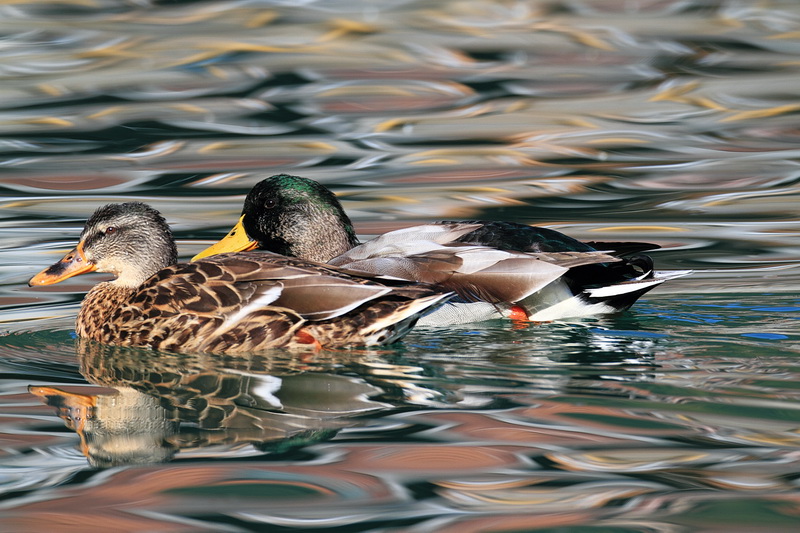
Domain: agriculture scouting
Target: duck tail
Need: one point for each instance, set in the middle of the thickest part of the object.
(396, 325)
(563, 301)
(622, 295)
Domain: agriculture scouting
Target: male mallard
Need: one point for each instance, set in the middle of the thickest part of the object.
(299, 217)
(230, 303)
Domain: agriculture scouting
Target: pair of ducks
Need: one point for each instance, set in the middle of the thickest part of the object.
(293, 274)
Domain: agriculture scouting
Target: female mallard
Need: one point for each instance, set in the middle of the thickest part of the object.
(299, 217)
(230, 303)
(153, 405)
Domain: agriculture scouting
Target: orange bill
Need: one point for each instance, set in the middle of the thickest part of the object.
(236, 240)
(63, 398)
(73, 408)
(72, 264)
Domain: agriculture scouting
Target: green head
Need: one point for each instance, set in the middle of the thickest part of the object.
(297, 217)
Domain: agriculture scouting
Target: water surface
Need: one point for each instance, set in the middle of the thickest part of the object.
(672, 122)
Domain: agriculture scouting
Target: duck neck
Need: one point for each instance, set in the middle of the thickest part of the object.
(323, 243)
(98, 308)
(319, 237)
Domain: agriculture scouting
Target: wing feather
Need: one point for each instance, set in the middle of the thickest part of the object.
(479, 272)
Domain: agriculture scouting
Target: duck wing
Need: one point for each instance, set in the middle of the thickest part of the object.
(588, 289)
(501, 235)
(520, 237)
(524, 238)
(622, 248)
(247, 301)
(545, 273)
(406, 242)
(480, 273)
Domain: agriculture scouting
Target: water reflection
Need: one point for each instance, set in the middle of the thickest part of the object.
(600, 422)
(666, 121)
(148, 407)
(162, 404)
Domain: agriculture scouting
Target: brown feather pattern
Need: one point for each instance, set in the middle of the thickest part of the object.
(246, 302)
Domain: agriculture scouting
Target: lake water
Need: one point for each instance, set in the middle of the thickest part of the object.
(665, 121)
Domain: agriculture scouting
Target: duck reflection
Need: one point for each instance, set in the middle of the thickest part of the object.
(154, 405)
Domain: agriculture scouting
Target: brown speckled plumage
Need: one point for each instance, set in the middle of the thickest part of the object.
(187, 307)
(152, 405)
(230, 303)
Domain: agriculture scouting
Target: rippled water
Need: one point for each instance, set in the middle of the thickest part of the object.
(672, 122)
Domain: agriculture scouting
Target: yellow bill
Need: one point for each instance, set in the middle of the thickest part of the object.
(236, 240)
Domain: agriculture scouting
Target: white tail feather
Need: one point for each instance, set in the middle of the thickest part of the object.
(632, 286)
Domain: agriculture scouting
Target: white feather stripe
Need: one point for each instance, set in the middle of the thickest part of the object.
(633, 286)
(356, 294)
(264, 387)
(671, 274)
(622, 288)
(262, 300)
(415, 307)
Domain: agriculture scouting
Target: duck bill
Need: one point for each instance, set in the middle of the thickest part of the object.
(236, 240)
(74, 409)
(73, 264)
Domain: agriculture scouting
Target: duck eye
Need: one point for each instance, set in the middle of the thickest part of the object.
(270, 203)
(110, 230)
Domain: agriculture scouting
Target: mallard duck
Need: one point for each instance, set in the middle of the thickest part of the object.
(228, 303)
(299, 217)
